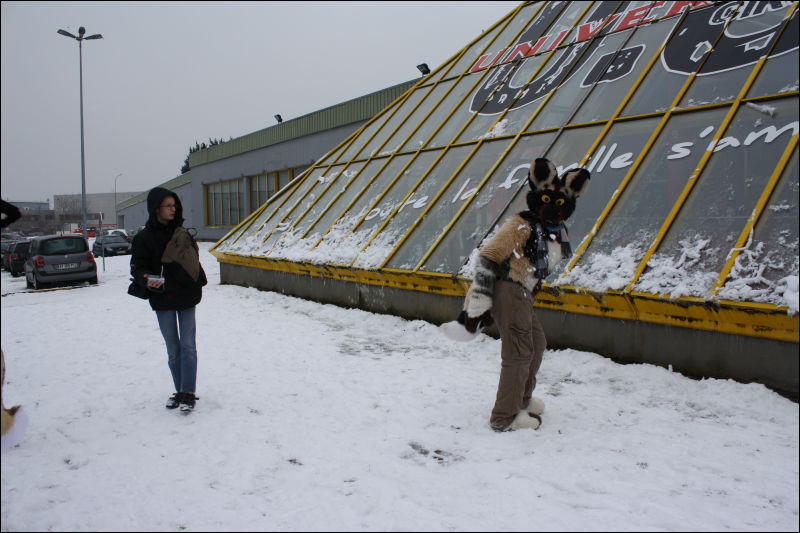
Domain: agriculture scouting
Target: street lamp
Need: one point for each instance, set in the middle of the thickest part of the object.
(115, 198)
(80, 38)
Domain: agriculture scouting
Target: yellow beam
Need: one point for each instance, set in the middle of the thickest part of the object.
(740, 318)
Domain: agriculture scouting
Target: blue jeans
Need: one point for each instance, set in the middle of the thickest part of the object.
(178, 329)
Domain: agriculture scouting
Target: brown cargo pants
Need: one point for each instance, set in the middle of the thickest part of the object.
(523, 343)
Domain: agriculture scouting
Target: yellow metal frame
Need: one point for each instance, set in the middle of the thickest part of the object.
(751, 319)
(741, 318)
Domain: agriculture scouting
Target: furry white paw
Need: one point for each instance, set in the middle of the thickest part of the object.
(524, 420)
(535, 406)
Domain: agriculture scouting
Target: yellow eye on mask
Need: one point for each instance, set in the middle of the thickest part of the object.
(545, 199)
(560, 202)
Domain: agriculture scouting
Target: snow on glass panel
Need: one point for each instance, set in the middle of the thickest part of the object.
(347, 195)
(681, 57)
(751, 33)
(251, 240)
(780, 73)
(408, 198)
(351, 232)
(460, 190)
(296, 205)
(488, 204)
(287, 245)
(766, 270)
(614, 253)
(689, 260)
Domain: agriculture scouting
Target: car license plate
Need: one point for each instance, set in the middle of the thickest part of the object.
(65, 266)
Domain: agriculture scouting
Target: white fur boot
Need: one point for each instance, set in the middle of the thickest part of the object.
(524, 420)
(535, 406)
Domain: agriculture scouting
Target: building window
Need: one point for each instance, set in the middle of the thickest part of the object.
(225, 203)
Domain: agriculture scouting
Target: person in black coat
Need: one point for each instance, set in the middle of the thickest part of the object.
(165, 259)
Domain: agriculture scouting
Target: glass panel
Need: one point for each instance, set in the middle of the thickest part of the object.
(698, 242)
(614, 253)
(266, 186)
(780, 73)
(241, 214)
(226, 204)
(419, 137)
(341, 244)
(333, 154)
(433, 98)
(461, 189)
(250, 241)
(558, 110)
(618, 79)
(763, 270)
(343, 229)
(474, 223)
(681, 57)
(477, 100)
(313, 186)
(460, 116)
(209, 205)
(371, 128)
(217, 205)
(349, 193)
(371, 150)
(271, 217)
(335, 185)
(743, 43)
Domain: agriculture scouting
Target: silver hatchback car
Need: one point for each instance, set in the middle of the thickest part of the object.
(59, 259)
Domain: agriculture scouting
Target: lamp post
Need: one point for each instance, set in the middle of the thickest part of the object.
(115, 198)
(80, 38)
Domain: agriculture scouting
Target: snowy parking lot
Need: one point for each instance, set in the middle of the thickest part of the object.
(317, 418)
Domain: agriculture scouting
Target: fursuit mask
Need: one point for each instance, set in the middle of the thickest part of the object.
(552, 197)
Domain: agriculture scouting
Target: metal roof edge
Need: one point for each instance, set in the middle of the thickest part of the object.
(341, 114)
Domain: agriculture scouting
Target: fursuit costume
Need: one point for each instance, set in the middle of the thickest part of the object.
(510, 270)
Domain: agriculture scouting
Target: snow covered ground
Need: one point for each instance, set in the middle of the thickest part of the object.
(317, 418)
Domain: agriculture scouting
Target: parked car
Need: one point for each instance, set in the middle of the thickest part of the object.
(10, 236)
(6, 250)
(17, 257)
(59, 259)
(90, 231)
(113, 245)
(132, 233)
(119, 232)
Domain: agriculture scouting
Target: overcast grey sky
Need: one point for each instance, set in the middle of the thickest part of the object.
(167, 74)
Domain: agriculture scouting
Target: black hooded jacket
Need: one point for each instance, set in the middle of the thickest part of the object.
(180, 290)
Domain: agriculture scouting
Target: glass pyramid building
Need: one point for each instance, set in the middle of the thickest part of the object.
(686, 114)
